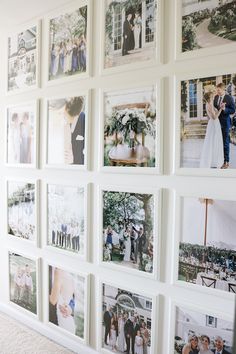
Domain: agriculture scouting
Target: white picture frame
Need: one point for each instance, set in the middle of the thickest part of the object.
(19, 308)
(62, 331)
(87, 110)
(69, 8)
(36, 206)
(195, 53)
(19, 29)
(35, 105)
(177, 239)
(158, 56)
(157, 198)
(154, 316)
(158, 168)
(191, 171)
(86, 188)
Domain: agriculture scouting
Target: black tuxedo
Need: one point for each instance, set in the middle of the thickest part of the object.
(225, 121)
(107, 321)
(127, 31)
(78, 145)
(129, 331)
(223, 352)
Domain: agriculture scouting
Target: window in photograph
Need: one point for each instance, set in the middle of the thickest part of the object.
(205, 258)
(211, 321)
(192, 333)
(208, 123)
(130, 31)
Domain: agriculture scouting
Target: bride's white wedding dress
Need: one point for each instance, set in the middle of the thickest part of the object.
(212, 155)
(65, 322)
(127, 247)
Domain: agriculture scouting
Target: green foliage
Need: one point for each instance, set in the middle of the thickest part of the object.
(188, 34)
(184, 96)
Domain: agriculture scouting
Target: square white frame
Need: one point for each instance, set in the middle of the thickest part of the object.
(46, 245)
(154, 316)
(191, 171)
(192, 307)
(35, 104)
(86, 166)
(196, 53)
(37, 229)
(38, 61)
(51, 325)
(157, 220)
(37, 261)
(158, 169)
(156, 61)
(177, 240)
(72, 6)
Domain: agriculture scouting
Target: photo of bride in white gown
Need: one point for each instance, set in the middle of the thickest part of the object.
(212, 155)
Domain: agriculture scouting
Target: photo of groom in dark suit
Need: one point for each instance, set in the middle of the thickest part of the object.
(225, 102)
(127, 32)
(219, 346)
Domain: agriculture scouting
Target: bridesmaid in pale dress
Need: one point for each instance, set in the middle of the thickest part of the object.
(138, 345)
(121, 335)
(145, 336)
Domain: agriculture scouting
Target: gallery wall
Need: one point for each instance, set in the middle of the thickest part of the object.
(170, 182)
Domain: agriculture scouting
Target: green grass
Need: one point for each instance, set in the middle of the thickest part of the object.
(223, 32)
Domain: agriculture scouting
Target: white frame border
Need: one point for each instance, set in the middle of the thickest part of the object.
(158, 169)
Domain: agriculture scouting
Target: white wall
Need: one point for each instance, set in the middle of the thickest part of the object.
(217, 187)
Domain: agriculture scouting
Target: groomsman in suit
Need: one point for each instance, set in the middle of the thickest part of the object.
(107, 322)
(226, 102)
(219, 346)
(127, 31)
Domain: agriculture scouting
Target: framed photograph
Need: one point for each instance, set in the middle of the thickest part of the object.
(22, 210)
(131, 34)
(130, 229)
(205, 258)
(131, 130)
(205, 27)
(22, 135)
(23, 53)
(67, 213)
(201, 331)
(68, 32)
(206, 125)
(24, 282)
(68, 302)
(127, 321)
(67, 132)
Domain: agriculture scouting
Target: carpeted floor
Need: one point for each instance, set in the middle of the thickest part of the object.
(18, 339)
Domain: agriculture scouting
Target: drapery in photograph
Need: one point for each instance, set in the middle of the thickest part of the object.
(197, 332)
(66, 131)
(207, 249)
(67, 296)
(21, 210)
(22, 59)
(68, 44)
(208, 122)
(208, 23)
(128, 229)
(130, 126)
(21, 134)
(130, 31)
(66, 206)
(126, 322)
(23, 282)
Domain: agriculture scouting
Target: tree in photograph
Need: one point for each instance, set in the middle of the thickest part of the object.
(188, 34)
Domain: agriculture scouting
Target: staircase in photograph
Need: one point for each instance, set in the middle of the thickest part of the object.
(195, 129)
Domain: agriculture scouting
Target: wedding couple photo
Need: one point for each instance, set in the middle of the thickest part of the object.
(208, 123)
(128, 230)
(207, 248)
(127, 321)
(201, 333)
(67, 294)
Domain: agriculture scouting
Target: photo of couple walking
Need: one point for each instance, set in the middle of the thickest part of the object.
(208, 130)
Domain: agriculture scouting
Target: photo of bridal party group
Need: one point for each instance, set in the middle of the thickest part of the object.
(68, 44)
(130, 31)
(130, 128)
(67, 295)
(66, 206)
(205, 257)
(128, 229)
(208, 23)
(23, 282)
(201, 333)
(127, 321)
(208, 122)
(21, 203)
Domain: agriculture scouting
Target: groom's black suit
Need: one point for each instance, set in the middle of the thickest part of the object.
(223, 351)
(225, 120)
